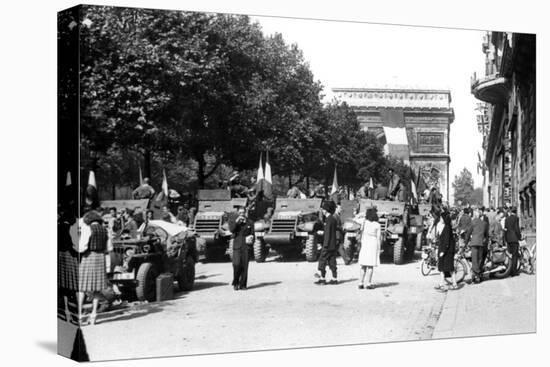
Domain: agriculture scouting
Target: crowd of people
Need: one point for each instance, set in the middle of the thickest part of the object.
(480, 229)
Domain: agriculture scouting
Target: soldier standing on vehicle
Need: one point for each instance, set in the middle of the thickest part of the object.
(363, 192)
(294, 193)
(381, 192)
(330, 247)
(393, 185)
(243, 232)
(144, 191)
(237, 190)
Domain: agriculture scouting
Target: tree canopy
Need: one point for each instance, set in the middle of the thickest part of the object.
(463, 186)
(205, 93)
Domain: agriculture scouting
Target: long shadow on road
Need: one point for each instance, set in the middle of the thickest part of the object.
(385, 285)
(263, 284)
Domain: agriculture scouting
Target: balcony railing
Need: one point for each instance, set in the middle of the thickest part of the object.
(491, 89)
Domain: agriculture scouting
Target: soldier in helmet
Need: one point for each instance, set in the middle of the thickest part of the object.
(237, 190)
(144, 191)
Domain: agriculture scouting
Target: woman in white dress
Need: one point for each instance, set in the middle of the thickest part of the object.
(369, 255)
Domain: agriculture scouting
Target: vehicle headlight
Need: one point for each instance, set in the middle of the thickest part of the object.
(259, 227)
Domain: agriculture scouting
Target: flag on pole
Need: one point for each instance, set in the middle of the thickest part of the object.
(334, 183)
(164, 183)
(260, 170)
(413, 186)
(68, 182)
(91, 179)
(91, 197)
(140, 177)
(260, 176)
(268, 183)
(371, 184)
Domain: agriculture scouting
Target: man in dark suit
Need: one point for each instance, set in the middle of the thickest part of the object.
(463, 225)
(243, 236)
(477, 236)
(330, 246)
(512, 235)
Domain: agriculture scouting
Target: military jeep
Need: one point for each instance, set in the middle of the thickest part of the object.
(162, 247)
(211, 221)
(291, 231)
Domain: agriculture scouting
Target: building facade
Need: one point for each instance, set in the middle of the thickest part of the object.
(425, 115)
(508, 90)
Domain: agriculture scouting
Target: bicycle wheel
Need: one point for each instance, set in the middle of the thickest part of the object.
(461, 269)
(425, 268)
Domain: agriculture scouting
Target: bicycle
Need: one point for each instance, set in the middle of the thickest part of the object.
(429, 263)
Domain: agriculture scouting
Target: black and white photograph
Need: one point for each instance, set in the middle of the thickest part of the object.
(244, 183)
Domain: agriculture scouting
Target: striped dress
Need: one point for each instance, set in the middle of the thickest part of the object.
(92, 271)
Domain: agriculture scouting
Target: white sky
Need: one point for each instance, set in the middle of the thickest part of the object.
(345, 54)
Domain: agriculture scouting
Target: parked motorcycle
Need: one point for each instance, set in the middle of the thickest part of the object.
(497, 263)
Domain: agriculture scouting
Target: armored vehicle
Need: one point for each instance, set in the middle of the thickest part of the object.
(211, 221)
(393, 219)
(291, 231)
(162, 248)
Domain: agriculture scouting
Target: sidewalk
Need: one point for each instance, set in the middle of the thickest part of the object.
(494, 307)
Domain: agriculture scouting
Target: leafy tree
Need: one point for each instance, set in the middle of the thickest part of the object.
(463, 186)
(477, 196)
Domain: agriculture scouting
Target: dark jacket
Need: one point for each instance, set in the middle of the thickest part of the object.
(98, 238)
(329, 235)
(464, 223)
(478, 233)
(240, 232)
(380, 193)
(339, 229)
(495, 231)
(446, 244)
(512, 232)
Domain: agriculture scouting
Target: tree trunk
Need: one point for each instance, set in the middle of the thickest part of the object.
(200, 173)
(307, 184)
(289, 181)
(147, 163)
(114, 191)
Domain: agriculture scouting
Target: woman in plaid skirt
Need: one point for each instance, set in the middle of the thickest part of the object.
(92, 272)
(67, 263)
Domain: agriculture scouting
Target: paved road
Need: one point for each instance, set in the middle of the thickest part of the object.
(284, 309)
